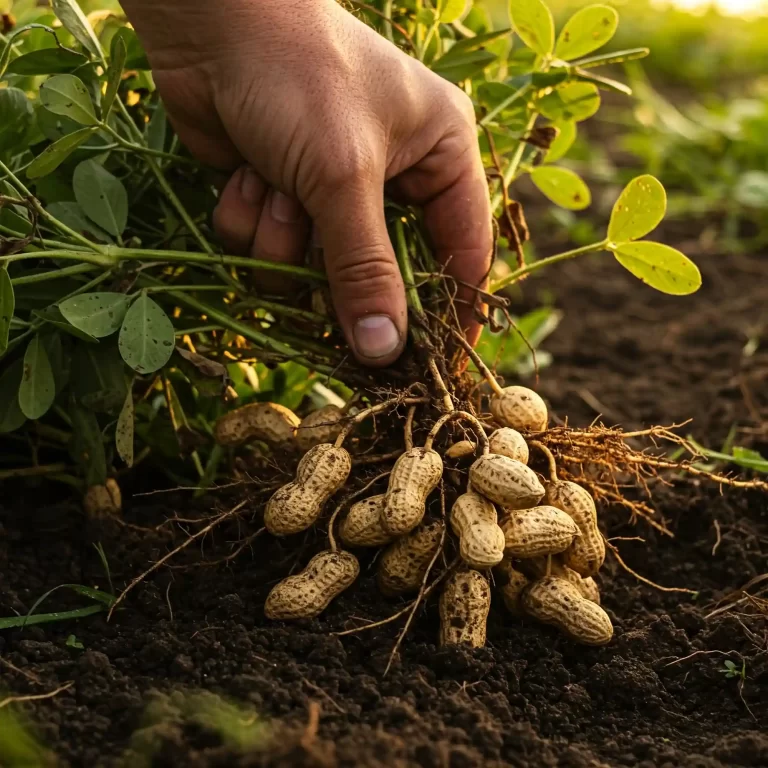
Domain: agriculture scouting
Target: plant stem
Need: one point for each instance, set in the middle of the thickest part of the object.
(281, 309)
(406, 270)
(514, 163)
(518, 274)
(41, 240)
(41, 277)
(97, 259)
(144, 150)
(44, 469)
(503, 105)
(169, 288)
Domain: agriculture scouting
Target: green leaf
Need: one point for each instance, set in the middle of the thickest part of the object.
(574, 101)
(47, 61)
(87, 447)
(71, 214)
(660, 266)
(147, 337)
(124, 432)
(114, 75)
(463, 66)
(101, 196)
(137, 58)
(567, 131)
(55, 154)
(16, 116)
(452, 10)
(75, 22)
(97, 314)
(52, 315)
(534, 25)
(157, 128)
(638, 211)
(7, 307)
(615, 57)
(61, 363)
(49, 618)
(586, 31)
(101, 384)
(52, 126)
(11, 415)
(474, 43)
(38, 386)
(67, 95)
(562, 186)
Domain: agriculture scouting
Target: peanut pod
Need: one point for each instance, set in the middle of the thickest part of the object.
(320, 426)
(362, 527)
(475, 522)
(103, 500)
(520, 408)
(506, 482)
(511, 583)
(536, 568)
(268, 422)
(296, 506)
(307, 594)
(510, 443)
(415, 475)
(538, 531)
(464, 606)
(403, 564)
(461, 450)
(587, 553)
(557, 602)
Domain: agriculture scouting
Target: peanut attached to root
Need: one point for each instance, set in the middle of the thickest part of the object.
(538, 531)
(461, 450)
(103, 500)
(415, 475)
(475, 522)
(510, 443)
(506, 482)
(464, 606)
(587, 553)
(402, 565)
(320, 426)
(511, 583)
(520, 408)
(296, 506)
(362, 527)
(307, 594)
(268, 422)
(555, 601)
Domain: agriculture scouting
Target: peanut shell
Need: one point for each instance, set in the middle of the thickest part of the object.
(520, 408)
(461, 450)
(510, 582)
(510, 443)
(538, 531)
(475, 522)
(362, 527)
(464, 606)
(403, 563)
(320, 426)
(268, 422)
(415, 475)
(506, 482)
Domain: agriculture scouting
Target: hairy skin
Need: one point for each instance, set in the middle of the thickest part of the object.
(313, 113)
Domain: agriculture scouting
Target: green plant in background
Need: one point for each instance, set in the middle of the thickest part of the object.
(123, 330)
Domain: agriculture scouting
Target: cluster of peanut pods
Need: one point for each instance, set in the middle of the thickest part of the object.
(537, 541)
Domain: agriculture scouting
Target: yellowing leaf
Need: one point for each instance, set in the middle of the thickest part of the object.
(660, 266)
(638, 211)
(533, 23)
(562, 186)
(586, 31)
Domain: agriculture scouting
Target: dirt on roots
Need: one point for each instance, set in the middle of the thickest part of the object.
(658, 695)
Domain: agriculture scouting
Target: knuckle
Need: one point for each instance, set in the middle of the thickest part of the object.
(368, 267)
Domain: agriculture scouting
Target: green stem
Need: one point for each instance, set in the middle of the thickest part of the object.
(97, 259)
(406, 269)
(144, 150)
(280, 309)
(37, 240)
(514, 164)
(198, 329)
(518, 274)
(41, 277)
(169, 288)
(46, 469)
(504, 104)
(387, 11)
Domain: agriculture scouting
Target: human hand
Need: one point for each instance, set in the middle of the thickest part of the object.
(315, 113)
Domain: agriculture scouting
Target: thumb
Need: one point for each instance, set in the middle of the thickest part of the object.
(366, 286)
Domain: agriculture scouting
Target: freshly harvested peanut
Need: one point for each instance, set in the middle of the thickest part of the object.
(320, 426)
(587, 553)
(307, 594)
(520, 408)
(296, 506)
(268, 422)
(557, 602)
(506, 482)
(403, 563)
(510, 443)
(461, 450)
(538, 531)
(362, 527)
(413, 478)
(103, 500)
(475, 522)
(589, 589)
(535, 568)
(464, 606)
(511, 584)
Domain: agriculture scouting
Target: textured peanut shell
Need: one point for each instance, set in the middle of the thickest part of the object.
(475, 522)
(506, 482)
(536, 568)
(320, 426)
(362, 526)
(307, 594)
(103, 500)
(589, 589)
(268, 422)
(296, 506)
(413, 478)
(461, 450)
(520, 408)
(510, 443)
(538, 531)
(403, 563)
(464, 606)
(587, 553)
(510, 582)
(559, 603)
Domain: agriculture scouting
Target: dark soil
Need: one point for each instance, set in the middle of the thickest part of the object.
(656, 696)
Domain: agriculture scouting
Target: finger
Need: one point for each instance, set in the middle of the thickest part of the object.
(366, 286)
(281, 236)
(237, 214)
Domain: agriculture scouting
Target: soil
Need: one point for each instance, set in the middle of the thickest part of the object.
(658, 695)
